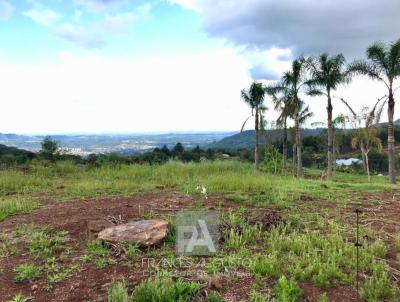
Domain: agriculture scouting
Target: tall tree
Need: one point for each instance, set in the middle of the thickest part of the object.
(383, 64)
(291, 85)
(327, 73)
(254, 97)
(284, 105)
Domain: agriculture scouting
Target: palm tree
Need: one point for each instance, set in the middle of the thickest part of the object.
(327, 73)
(285, 106)
(290, 86)
(383, 65)
(254, 97)
(366, 135)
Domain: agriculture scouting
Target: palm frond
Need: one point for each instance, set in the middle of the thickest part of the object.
(244, 123)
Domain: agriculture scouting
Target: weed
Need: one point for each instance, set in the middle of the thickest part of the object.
(117, 293)
(258, 297)
(266, 266)
(164, 290)
(99, 253)
(27, 272)
(62, 275)
(214, 297)
(20, 298)
(45, 242)
(323, 298)
(131, 251)
(378, 249)
(287, 290)
(378, 287)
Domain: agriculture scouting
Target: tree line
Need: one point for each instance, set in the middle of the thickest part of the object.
(322, 76)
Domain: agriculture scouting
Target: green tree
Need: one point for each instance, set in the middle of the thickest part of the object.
(327, 73)
(254, 97)
(177, 150)
(49, 149)
(366, 135)
(383, 65)
(289, 89)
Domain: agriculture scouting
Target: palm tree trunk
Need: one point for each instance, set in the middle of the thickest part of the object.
(330, 138)
(367, 166)
(285, 148)
(256, 149)
(298, 144)
(363, 156)
(391, 154)
(294, 158)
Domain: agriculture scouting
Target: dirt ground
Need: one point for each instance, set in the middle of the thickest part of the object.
(89, 283)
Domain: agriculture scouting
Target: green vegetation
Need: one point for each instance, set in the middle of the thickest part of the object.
(164, 290)
(99, 253)
(16, 205)
(27, 272)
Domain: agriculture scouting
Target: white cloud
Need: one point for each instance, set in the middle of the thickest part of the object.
(6, 10)
(121, 22)
(102, 94)
(95, 36)
(187, 4)
(86, 37)
(42, 15)
(96, 6)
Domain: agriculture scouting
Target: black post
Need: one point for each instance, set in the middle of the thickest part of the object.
(358, 211)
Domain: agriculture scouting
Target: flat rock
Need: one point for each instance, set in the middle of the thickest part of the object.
(143, 232)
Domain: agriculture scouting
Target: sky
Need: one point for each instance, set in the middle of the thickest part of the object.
(119, 66)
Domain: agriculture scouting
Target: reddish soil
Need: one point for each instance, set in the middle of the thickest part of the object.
(89, 283)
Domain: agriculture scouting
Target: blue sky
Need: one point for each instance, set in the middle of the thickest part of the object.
(168, 65)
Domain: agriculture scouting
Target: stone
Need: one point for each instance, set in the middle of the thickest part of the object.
(143, 232)
(214, 283)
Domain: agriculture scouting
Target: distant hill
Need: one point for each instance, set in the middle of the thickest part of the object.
(14, 153)
(247, 138)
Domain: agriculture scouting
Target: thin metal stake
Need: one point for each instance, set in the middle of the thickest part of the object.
(358, 211)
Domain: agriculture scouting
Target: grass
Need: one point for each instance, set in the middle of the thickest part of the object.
(65, 180)
(27, 272)
(16, 205)
(315, 244)
(99, 253)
